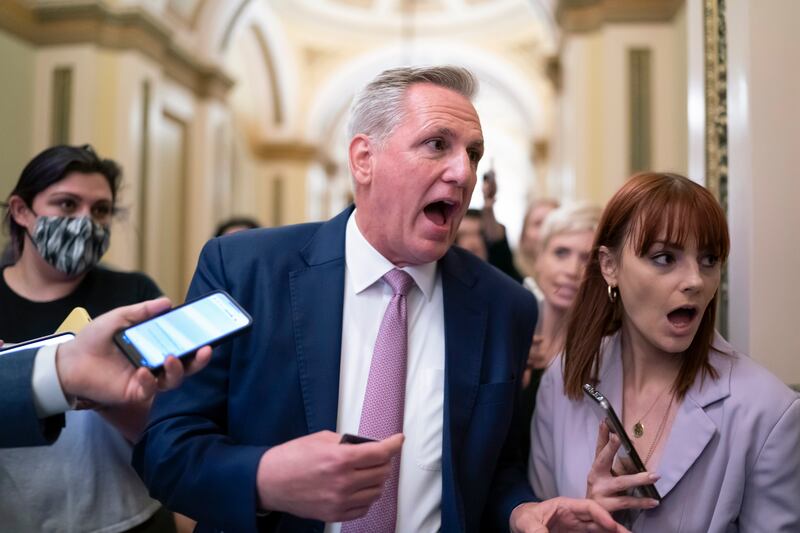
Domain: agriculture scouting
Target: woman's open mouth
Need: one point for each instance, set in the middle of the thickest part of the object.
(682, 317)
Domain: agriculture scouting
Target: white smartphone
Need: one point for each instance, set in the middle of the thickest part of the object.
(58, 338)
(183, 330)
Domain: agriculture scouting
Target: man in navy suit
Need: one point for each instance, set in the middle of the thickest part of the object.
(252, 443)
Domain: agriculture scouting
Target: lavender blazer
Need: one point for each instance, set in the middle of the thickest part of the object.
(731, 461)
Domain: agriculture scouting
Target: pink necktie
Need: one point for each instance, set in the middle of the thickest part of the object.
(384, 400)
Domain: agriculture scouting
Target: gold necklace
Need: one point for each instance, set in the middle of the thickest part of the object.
(638, 427)
(660, 431)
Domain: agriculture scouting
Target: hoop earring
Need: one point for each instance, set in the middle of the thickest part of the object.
(613, 292)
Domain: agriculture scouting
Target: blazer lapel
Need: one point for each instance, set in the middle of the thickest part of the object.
(693, 429)
(465, 321)
(317, 294)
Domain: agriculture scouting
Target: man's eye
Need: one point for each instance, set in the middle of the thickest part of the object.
(66, 204)
(475, 156)
(436, 144)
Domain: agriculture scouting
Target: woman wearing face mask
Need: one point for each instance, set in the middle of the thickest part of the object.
(718, 434)
(565, 240)
(58, 217)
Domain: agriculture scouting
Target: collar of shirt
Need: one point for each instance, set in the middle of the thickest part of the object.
(367, 265)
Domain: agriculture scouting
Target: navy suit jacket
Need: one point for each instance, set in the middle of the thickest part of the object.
(200, 452)
(21, 426)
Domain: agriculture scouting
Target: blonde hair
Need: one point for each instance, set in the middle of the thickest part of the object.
(569, 218)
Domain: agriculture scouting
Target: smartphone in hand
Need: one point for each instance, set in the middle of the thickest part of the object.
(58, 338)
(349, 438)
(627, 455)
(181, 331)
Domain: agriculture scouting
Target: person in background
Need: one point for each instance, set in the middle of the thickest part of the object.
(565, 244)
(498, 251)
(232, 225)
(718, 434)
(529, 241)
(373, 324)
(59, 218)
(470, 235)
(89, 367)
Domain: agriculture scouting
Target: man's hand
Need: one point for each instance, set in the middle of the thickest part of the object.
(316, 477)
(92, 367)
(563, 515)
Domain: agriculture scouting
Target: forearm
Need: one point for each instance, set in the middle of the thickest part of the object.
(492, 229)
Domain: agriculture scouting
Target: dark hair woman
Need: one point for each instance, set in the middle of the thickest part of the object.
(59, 217)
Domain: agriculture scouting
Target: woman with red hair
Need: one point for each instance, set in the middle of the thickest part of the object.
(718, 434)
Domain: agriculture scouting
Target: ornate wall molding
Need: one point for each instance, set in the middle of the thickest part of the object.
(296, 151)
(588, 15)
(716, 100)
(129, 29)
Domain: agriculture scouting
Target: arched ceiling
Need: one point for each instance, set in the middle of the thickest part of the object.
(425, 18)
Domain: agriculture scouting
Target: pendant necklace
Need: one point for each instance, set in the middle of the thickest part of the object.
(638, 427)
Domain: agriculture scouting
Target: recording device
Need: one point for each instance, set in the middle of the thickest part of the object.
(76, 320)
(349, 438)
(58, 338)
(627, 455)
(209, 320)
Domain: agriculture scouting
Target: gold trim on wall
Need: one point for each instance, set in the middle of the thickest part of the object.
(588, 15)
(639, 106)
(61, 116)
(286, 151)
(716, 149)
(130, 29)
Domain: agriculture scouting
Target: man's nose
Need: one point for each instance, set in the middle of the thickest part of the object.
(460, 169)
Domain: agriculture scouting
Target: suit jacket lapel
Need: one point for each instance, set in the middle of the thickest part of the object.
(317, 293)
(465, 320)
(693, 429)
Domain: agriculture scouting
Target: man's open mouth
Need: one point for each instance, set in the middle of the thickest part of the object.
(441, 211)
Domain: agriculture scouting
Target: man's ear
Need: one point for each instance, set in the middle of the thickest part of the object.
(20, 212)
(361, 153)
(608, 265)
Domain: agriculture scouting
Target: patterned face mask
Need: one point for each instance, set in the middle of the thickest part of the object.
(72, 245)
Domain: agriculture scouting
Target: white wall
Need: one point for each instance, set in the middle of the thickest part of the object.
(764, 158)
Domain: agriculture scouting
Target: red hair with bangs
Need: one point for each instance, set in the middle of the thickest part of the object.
(650, 207)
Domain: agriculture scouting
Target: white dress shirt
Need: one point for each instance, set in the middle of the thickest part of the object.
(366, 297)
(48, 396)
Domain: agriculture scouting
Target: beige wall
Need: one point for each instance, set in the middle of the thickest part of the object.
(16, 108)
(764, 158)
(594, 124)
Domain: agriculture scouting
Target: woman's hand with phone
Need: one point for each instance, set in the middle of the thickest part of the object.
(610, 490)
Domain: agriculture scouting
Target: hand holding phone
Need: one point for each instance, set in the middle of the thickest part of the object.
(206, 321)
(613, 442)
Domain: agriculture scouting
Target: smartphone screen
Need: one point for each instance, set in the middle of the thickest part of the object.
(38, 343)
(183, 330)
(627, 460)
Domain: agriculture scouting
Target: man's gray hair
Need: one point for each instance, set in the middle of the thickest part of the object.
(378, 108)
